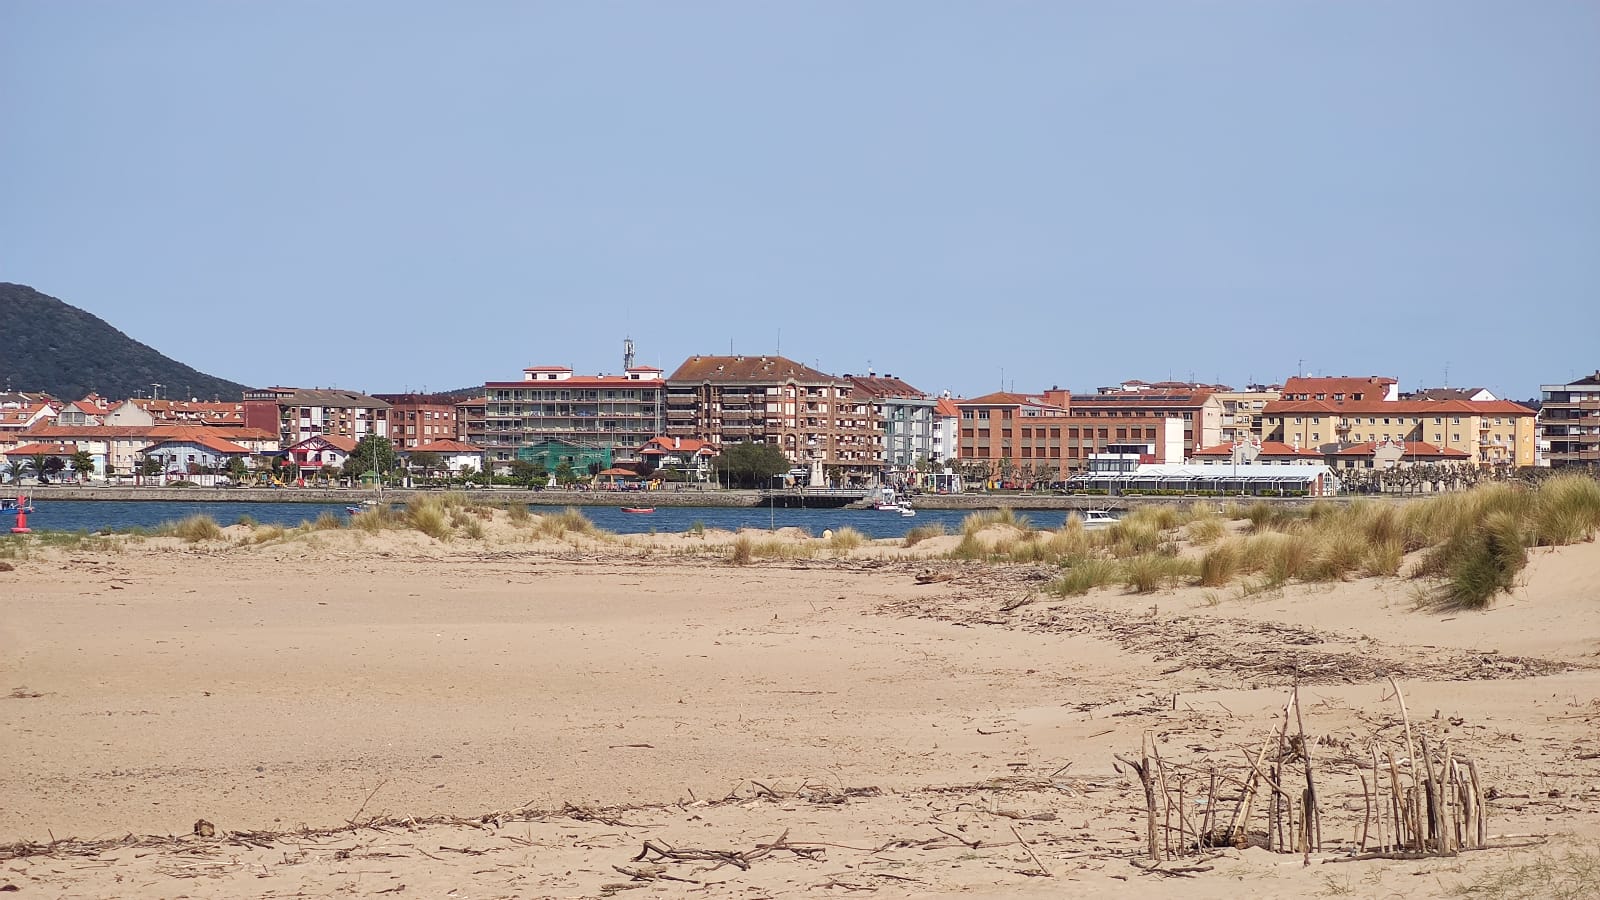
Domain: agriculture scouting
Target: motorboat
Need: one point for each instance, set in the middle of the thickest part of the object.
(1097, 518)
(907, 512)
(639, 510)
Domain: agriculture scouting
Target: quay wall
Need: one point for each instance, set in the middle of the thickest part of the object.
(689, 497)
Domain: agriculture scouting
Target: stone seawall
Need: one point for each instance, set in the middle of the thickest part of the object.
(711, 497)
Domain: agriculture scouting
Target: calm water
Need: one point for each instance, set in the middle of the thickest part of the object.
(96, 515)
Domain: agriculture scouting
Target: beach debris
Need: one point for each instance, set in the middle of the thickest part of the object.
(204, 829)
(1422, 800)
(928, 576)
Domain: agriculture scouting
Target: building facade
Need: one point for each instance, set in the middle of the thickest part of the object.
(298, 413)
(417, 419)
(1491, 432)
(1570, 421)
(599, 416)
(907, 418)
(809, 415)
(1198, 407)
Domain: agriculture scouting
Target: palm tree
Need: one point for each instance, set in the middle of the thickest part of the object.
(82, 464)
(39, 463)
(14, 470)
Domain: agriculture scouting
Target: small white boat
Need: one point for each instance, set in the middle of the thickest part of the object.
(907, 512)
(1097, 518)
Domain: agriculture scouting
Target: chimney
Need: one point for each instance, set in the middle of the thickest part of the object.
(676, 443)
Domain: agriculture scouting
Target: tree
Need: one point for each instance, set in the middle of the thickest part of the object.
(40, 464)
(237, 469)
(426, 462)
(564, 473)
(15, 469)
(82, 464)
(150, 465)
(373, 453)
(751, 464)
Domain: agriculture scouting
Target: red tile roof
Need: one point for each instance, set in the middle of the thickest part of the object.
(659, 446)
(884, 386)
(1398, 408)
(337, 441)
(208, 441)
(947, 408)
(46, 449)
(446, 445)
(747, 369)
(1412, 448)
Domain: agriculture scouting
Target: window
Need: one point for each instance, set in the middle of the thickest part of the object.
(1457, 437)
(1316, 435)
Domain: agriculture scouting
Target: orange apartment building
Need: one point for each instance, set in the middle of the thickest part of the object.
(1043, 434)
(810, 415)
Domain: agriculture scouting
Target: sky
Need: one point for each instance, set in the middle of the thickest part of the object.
(391, 196)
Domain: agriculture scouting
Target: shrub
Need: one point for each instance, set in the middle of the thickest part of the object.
(1083, 576)
(978, 521)
(1567, 510)
(195, 529)
(518, 514)
(846, 539)
(1384, 556)
(1483, 562)
(1219, 565)
(429, 516)
(555, 525)
(268, 533)
(1338, 555)
(1132, 536)
(328, 521)
(969, 548)
(1205, 531)
(1151, 572)
(921, 533)
(742, 551)
(474, 529)
(246, 520)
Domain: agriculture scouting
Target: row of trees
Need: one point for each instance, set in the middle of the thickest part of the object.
(45, 467)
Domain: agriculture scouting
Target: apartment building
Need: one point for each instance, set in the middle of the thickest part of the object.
(295, 414)
(1241, 411)
(946, 442)
(118, 449)
(1199, 407)
(1044, 435)
(906, 415)
(1570, 421)
(417, 419)
(1490, 432)
(810, 415)
(553, 412)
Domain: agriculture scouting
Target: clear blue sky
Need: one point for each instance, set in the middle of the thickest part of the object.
(386, 196)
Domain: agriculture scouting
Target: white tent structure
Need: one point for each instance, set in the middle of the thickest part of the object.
(1255, 480)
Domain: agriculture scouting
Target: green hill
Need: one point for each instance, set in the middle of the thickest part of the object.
(51, 346)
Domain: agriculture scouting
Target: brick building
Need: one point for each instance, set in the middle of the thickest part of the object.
(809, 415)
(417, 419)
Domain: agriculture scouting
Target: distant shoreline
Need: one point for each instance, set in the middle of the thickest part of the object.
(711, 497)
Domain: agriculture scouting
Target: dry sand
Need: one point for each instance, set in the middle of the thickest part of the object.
(522, 719)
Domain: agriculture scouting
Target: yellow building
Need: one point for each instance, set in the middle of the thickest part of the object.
(1491, 432)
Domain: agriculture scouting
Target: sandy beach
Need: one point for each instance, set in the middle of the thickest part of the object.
(363, 714)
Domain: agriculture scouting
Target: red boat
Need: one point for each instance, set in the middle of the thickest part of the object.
(639, 510)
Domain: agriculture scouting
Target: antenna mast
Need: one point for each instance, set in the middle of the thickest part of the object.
(627, 354)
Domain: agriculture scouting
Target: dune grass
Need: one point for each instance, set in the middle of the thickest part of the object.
(846, 539)
(568, 521)
(921, 533)
(194, 529)
(1465, 547)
